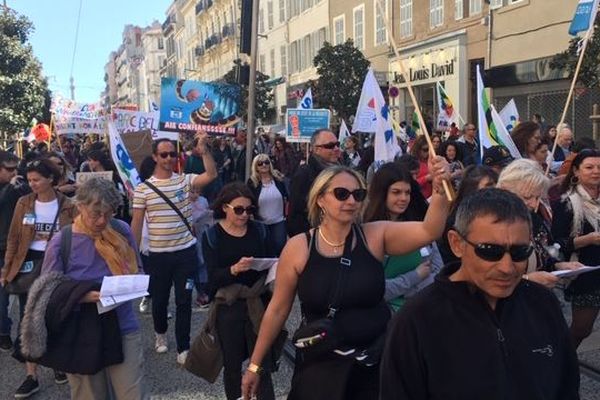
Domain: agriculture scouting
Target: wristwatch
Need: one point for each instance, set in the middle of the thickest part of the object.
(254, 368)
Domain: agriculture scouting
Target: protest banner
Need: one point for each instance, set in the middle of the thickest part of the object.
(138, 145)
(82, 177)
(120, 156)
(190, 106)
(65, 125)
(134, 121)
(301, 124)
(65, 108)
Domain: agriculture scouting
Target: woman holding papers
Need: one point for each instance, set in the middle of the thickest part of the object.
(526, 179)
(336, 271)
(239, 293)
(37, 217)
(101, 246)
(576, 227)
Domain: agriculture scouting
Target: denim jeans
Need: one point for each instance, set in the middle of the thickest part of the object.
(277, 237)
(5, 321)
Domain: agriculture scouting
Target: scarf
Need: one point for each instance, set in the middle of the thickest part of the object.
(584, 208)
(112, 247)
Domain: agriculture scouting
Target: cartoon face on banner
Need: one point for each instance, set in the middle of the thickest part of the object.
(189, 106)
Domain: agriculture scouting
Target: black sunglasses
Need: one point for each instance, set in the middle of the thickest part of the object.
(494, 252)
(239, 210)
(9, 169)
(261, 163)
(166, 154)
(329, 146)
(342, 194)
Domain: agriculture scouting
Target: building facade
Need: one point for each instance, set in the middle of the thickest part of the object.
(153, 44)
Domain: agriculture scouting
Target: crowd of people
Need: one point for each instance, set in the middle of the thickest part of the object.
(404, 293)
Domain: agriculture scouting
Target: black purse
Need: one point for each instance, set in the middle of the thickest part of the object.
(318, 337)
(23, 281)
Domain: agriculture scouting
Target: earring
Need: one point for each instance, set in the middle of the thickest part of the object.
(574, 180)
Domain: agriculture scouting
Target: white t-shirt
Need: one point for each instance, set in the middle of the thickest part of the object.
(270, 204)
(45, 213)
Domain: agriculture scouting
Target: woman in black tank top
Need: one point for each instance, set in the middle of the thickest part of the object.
(309, 264)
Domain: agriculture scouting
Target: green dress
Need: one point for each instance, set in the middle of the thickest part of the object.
(398, 265)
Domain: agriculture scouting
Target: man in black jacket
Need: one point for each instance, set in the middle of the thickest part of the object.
(481, 331)
(325, 152)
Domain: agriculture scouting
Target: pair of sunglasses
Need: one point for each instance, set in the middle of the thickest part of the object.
(494, 252)
(166, 154)
(10, 169)
(261, 163)
(342, 194)
(329, 146)
(239, 210)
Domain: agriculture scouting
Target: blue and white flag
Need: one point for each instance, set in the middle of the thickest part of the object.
(344, 132)
(510, 115)
(584, 17)
(307, 101)
(120, 156)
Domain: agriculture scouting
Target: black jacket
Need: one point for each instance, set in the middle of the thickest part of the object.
(278, 184)
(297, 219)
(9, 194)
(447, 343)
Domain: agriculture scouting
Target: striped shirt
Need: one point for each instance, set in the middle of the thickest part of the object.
(166, 231)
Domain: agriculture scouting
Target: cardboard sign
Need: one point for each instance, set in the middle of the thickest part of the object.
(82, 177)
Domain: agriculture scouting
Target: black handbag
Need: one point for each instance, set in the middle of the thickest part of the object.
(318, 337)
(23, 281)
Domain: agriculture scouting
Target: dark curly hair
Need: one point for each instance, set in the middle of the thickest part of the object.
(230, 192)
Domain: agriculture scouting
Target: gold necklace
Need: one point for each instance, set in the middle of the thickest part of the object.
(334, 246)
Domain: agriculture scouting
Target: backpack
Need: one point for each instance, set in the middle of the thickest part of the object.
(66, 236)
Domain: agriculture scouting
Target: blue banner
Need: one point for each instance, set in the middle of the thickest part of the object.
(584, 16)
(190, 106)
(301, 124)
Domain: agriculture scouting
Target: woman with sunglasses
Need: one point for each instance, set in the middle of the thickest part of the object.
(526, 179)
(228, 248)
(37, 217)
(420, 150)
(576, 227)
(266, 183)
(312, 265)
(66, 185)
(395, 196)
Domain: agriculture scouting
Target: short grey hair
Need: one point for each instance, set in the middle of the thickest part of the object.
(99, 192)
(316, 134)
(521, 174)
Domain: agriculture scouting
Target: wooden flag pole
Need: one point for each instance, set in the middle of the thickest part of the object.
(586, 39)
(386, 22)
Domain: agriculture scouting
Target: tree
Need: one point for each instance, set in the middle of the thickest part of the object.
(23, 90)
(342, 69)
(264, 94)
(589, 74)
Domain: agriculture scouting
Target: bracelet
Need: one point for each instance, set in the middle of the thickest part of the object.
(526, 277)
(255, 369)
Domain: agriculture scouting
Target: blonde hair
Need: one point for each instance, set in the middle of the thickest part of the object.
(523, 173)
(321, 185)
(255, 177)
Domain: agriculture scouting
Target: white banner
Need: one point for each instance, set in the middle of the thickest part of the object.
(64, 125)
(122, 160)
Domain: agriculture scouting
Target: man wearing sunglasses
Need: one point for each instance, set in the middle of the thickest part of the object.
(325, 152)
(481, 331)
(12, 187)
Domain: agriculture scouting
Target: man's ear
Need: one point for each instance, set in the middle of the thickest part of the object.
(457, 244)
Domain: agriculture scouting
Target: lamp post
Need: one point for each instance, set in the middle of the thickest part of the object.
(252, 88)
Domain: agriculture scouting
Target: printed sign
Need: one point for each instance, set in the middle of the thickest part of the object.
(301, 124)
(134, 121)
(65, 125)
(82, 177)
(66, 108)
(190, 106)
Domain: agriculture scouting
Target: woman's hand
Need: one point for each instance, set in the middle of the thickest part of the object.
(592, 239)
(439, 169)
(241, 266)
(424, 269)
(572, 265)
(543, 278)
(202, 138)
(93, 296)
(250, 382)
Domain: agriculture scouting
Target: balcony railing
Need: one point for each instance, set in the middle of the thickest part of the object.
(168, 24)
(203, 5)
(212, 41)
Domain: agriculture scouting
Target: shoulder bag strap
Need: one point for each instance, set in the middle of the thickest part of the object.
(170, 203)
(60, 204)
(345, 263)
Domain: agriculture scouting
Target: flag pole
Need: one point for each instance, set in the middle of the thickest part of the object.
(386, 22)
(586, 39)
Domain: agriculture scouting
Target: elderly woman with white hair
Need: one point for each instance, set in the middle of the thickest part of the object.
(526, 179)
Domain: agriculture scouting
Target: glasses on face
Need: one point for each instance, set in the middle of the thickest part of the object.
(97, 214)
(494, 252)
(329, 146)
(261, 163)
(239, 210)
(342, 194)
(9, 169)
(166, 154)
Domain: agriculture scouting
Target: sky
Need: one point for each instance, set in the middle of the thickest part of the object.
(100, 30)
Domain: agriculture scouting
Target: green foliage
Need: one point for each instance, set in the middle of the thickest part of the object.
(23, 91)
(342, 69)
(264, 95)
(589, 74)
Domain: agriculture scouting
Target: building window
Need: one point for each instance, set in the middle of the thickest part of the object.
(459, 11)
(281, 11)
(474, 7)
(339, 33)
(436, 13)
(359, 26)
(261, 20)
(406, 7)
(293, 57)
(495, 4)
(380, 32)
(161, 43)
(261, 63)
(307, 52)
(283, 57)
(270, 17)
(272, 57)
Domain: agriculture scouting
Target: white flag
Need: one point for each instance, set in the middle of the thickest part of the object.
(344, 132)
(123, 162)
(307, 101)
(365, 119)
(446, 112)
(510, 115)
(503, 135)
